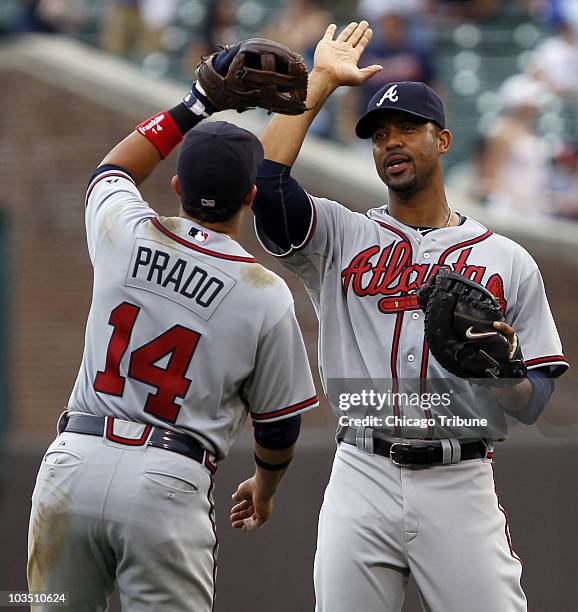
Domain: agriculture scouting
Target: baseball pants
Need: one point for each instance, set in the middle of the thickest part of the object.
(379, 522)
(105, 512)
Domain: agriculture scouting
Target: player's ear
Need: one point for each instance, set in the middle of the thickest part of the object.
(444, 141)
(176, 185)
(251, 196)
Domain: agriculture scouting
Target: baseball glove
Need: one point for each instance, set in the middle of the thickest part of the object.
(459, 317)
(255, 72)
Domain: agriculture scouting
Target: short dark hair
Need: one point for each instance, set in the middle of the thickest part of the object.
(207, 215)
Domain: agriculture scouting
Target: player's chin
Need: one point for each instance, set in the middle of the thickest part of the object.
(401, 183)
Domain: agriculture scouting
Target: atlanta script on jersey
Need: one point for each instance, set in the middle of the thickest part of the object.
(361, 272)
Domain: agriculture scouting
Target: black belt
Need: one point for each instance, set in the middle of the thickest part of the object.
(416, 453)
(159, 438)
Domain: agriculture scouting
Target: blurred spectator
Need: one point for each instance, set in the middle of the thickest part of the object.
(469, 177)
(300, 25)
(123, 28)
(51, 16)
(374, 9)
(220, 24)
(391, 46)
(156, 16)
(552, 12)
(469, 10)
(563, 181)
(555, 60)
(516, 163)
(219, 28)
(417, 14)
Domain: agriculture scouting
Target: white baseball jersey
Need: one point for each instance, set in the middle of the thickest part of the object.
(184, 323)
(361, 272)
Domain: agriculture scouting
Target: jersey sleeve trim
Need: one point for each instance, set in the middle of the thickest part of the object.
(276, 415)
(117, 172)
(294, 249)
(194, 247)
(558, 363)
(106, 167)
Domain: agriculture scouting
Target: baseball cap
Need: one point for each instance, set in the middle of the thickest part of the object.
(217, 165)
(411, 97)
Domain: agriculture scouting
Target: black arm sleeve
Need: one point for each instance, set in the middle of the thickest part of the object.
(278, 434)
(282, 208)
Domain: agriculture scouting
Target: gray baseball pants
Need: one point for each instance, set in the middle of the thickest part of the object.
(105, 512)
(379, 522)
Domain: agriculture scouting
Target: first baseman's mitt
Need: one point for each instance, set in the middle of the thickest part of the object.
(255, 72)
(459, 314)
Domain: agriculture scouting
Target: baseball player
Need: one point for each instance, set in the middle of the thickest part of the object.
(187, 335)
(400, 501)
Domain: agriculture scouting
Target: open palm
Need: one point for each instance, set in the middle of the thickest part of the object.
(338, 58)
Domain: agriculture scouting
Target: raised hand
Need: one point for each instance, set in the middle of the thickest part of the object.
(337, 58)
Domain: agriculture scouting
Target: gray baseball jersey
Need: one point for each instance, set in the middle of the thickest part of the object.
(361, 272)
(445, 524)
(183, 321)
(186, 332)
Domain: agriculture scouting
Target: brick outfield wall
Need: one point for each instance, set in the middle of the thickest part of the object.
(50, 142)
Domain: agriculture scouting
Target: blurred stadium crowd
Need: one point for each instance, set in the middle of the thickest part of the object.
(508, 70)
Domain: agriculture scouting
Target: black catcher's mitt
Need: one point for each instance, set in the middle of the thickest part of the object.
(459, 314)
(255, 72)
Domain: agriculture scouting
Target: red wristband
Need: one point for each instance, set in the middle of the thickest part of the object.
(162, 132)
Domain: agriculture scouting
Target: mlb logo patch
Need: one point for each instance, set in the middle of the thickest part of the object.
(198, 234)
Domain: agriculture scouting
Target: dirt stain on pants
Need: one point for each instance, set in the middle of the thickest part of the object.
(49, 529)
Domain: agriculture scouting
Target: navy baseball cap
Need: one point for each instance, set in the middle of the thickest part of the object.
(218, 165)
(411, 97)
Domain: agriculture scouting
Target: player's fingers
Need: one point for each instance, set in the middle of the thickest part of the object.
(242, 506)
(239, 514)
(331, 29)
(243, 512)
(364, 41)
(509, 332)
(246, 510)
(245, 524)
(240, 495)
(358, 33)
(240, 517)
(347, 32)
(505, 329)
(369, 71)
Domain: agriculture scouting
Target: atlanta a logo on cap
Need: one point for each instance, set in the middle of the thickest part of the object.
(390, 94)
